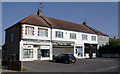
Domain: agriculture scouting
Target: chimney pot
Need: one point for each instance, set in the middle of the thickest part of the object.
(84, 23)
(40, 13)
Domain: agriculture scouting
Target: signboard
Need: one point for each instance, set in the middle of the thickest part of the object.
(37, 43)
(44, 47)
(27, 46)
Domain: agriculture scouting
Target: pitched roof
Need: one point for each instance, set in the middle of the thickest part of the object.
(96, 31)
(65, 25)
(35, 20)
(58, 24)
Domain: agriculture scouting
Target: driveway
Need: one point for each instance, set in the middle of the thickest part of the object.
(82, 65)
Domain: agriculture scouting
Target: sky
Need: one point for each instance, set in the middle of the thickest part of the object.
(102, 16)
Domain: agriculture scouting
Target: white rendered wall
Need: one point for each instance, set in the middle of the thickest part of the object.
(66, 37)
(35, 36)
(78, 40)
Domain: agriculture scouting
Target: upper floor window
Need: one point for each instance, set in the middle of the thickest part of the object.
(101, 38)
(84, 37)
(93, 38)
(29, 30)
(12, 37)
(59, 34)
(42, 32)
(72, 36)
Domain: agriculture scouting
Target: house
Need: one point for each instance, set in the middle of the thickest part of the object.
(103, 39)
(38, 37)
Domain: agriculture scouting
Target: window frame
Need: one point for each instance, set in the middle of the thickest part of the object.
(72, 35)
(83, 37)
(43, 29)
(27, 30)
(93, 39)
(59, 35)
(101, 38)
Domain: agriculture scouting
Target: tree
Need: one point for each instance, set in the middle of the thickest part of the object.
(112, 48)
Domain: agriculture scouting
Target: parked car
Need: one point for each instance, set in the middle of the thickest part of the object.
(65, 58)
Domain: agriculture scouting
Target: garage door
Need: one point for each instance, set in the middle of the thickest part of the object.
(57, 51)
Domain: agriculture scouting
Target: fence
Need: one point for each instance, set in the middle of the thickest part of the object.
(12, 65)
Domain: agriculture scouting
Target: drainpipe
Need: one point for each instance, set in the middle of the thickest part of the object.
(51, 43)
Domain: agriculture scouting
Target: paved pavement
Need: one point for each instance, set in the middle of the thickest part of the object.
(82, 65)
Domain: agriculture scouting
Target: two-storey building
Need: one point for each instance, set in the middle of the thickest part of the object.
(38, 37)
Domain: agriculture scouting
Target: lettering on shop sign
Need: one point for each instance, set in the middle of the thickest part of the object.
(25, 42)
(45, 47)
(27, 46)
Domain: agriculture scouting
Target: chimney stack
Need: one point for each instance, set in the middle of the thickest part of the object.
(40, 13)
(84, 23)
(114, 37)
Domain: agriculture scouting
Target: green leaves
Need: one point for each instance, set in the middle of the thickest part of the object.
(112, 48)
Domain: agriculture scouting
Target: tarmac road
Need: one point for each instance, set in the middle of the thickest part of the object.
(82, 65)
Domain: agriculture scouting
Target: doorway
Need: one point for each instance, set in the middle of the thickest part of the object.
(43, 53)
(79, 51)
(38, 54)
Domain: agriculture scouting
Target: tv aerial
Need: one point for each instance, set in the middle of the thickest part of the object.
(41, 6)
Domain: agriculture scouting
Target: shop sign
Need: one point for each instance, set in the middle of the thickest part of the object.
(27, 46)
(44, 47)
(40, 43)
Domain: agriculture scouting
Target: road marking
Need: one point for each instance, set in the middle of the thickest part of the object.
(107, 68)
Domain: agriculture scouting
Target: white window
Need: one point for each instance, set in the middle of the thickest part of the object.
(59, 34)
(42, 32)
(29, 30)
(72, 36)
(93, 38)
(101, 38)
(12, 36)
(84, 37)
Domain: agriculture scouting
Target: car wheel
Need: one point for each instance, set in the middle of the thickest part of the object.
(66, 62)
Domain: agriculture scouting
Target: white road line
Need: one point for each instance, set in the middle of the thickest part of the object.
(107, 68)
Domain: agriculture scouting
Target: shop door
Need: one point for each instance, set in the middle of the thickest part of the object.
(79, 52)
(38, 53)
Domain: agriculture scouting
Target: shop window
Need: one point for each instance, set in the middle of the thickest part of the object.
(72, 36)
(29, 30)
(42, 32)
(91, 48)
(84, 37)
(28, 53)
(45, 53)
(59, 34)
(93, 38)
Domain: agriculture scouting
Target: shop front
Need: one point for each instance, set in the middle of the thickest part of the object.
(90, 49)
(33, 50)
(79, 51)
(61, 47)
(43, 53)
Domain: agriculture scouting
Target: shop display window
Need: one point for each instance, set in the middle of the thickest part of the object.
(27, 53)
(45, 53)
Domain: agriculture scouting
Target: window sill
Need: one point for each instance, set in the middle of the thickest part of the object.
(72, 39)
(59, 38)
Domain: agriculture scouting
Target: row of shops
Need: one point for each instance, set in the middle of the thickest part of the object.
(45, 50)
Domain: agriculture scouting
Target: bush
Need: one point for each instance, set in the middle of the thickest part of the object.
(112, 48)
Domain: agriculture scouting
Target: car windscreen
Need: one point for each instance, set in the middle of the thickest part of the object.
(71, 56)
